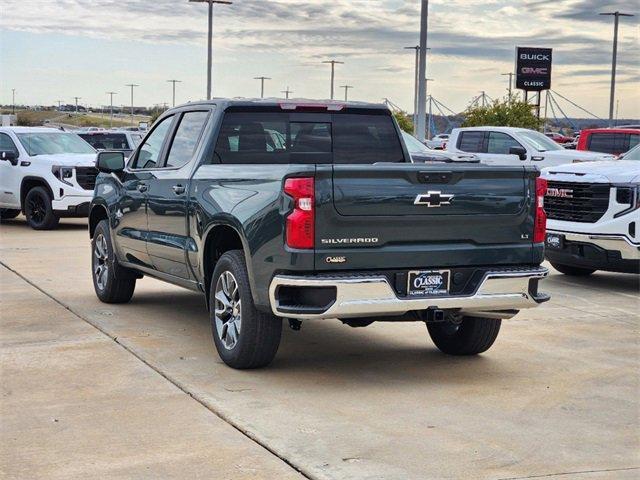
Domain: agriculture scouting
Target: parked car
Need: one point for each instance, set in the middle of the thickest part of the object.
(515, 146)
(45, 173)
(420, 153)
(122, 140)
(439, 142)
(593, 212)
(336, 223)
(609, 140)
(559, 138)
(574, 143)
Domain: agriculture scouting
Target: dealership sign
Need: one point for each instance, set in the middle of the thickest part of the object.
(533, 68)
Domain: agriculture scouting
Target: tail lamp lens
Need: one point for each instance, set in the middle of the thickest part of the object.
(300, 228)
(540, 226)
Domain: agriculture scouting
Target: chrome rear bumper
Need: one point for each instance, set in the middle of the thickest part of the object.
(364, 296)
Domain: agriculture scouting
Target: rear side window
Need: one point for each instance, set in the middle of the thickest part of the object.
(472, 142)
(107, 141)
(608, 142)
(186, 139)
(274, 137)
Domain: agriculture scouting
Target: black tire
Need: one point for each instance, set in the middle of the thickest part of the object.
(471, 336)
(8, 213)
(253, 341)
(572, 271)
(112, 282)
(38, 209)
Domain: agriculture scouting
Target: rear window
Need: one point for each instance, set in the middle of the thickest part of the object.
(614, 142)
(278, 137)
(107, 141)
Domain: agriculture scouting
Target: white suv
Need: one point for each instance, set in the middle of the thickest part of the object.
(45, 173)
(593, 212)
(515, 146)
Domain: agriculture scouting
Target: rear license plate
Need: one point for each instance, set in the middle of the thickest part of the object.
(428, 283)
(555, 241)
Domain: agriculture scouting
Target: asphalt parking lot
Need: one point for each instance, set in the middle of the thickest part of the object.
(138, 391)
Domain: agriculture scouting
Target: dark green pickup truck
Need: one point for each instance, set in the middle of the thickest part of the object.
(306, 210)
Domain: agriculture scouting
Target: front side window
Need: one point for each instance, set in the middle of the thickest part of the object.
(472, 142)
(52, 143)
(500, 143)
(149, 153)
(6, 144)
(186, 139)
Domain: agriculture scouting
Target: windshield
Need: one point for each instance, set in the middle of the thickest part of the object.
(51, 143)
(539, 141)
(414, 145)
(633, 154)
(106, 141)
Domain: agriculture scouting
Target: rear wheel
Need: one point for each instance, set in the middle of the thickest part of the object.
(39, 211)
(465, 336)
(244, 336)
(8, 213)
(572, 271)
(112, 282)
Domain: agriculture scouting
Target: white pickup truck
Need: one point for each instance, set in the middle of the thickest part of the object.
(593, 216)
(515, 146)
(46, 174)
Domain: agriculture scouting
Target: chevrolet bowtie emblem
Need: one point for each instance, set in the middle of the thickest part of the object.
(433, 199)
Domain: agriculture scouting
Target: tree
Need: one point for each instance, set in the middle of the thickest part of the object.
(404, 121)
(510, 112)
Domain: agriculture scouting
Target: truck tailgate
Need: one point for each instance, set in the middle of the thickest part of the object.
(416, 215)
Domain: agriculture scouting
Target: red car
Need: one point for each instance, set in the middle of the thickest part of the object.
(558, 137)
(608, 140)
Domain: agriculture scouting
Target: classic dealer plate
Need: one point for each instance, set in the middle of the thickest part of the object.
(555, 241)
(428, 283)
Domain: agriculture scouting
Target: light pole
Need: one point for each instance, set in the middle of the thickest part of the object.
(262, 79)
(422, 72)
(210, 40)
(13, 101)
(510, 74)
(59, 102)
(174, 89)
(132, 86)
(286, 92)
(111, 94)
(333, 72)
(77, 98)
(346, 91)
(614, 60)
(415, 85)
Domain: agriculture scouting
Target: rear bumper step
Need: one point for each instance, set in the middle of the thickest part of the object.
(365, 296)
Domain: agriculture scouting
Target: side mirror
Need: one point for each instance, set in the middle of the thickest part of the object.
(9, 156)
(521, 152)
(110, 162)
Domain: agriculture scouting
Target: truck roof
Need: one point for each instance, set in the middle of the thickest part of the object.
(290, 103)
(30, 129)
(494, 129)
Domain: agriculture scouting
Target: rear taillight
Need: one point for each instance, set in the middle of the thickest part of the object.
(300, 229)
(540, 226)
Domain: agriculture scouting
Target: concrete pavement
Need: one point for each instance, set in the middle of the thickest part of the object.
(556, 396)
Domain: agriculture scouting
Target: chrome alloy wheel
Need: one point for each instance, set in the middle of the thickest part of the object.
(101, 261)
(228, 311)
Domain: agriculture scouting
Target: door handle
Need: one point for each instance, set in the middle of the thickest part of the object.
(143, 187)
(178, 189)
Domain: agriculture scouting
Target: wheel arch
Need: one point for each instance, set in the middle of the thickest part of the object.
(96, 215)
(30, 182)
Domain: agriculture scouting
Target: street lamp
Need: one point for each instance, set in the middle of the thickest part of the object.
(333, 71)
(614, 60)
(209, 41)
(510, 74)
(77, 98)
(346, 91)
(422, 73)
(286, 92)
(262, 79)
(111, 94)
(13, 101)
(174, 89)
(132, 85)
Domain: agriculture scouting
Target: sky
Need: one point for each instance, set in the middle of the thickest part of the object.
(57, 49)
